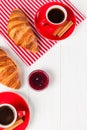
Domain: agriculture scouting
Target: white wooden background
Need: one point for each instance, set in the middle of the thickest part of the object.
(63, 105)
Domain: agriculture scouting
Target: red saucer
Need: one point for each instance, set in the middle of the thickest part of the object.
(19, 103)
(47, 30)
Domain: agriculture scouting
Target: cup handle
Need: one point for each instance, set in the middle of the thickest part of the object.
(44, 22)
(21, 113)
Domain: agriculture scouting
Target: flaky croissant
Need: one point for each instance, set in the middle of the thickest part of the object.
(9, 75)
(20, 31)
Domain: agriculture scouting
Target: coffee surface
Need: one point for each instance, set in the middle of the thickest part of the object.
(56, 15)
(6, 115)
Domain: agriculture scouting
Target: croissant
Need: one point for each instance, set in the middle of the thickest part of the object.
(9, 75)
(19, 30)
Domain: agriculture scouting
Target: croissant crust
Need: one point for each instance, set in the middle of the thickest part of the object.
(20, 31)
(9, 75)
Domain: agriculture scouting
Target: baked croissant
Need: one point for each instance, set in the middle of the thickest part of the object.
(9, 75)
(20, 31)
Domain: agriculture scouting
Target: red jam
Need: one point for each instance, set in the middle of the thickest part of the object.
(38, 79)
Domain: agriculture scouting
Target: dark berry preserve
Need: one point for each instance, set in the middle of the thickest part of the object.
(38, 79)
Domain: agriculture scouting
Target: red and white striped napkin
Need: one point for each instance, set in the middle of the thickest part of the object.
(30, 8)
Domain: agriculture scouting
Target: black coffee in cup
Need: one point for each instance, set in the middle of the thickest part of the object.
(56, 15)
(6, 115)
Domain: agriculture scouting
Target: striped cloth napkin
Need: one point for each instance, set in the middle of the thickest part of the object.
(30, 8)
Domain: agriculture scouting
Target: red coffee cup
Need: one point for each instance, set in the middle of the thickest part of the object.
(55, 15)
(9, 115)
